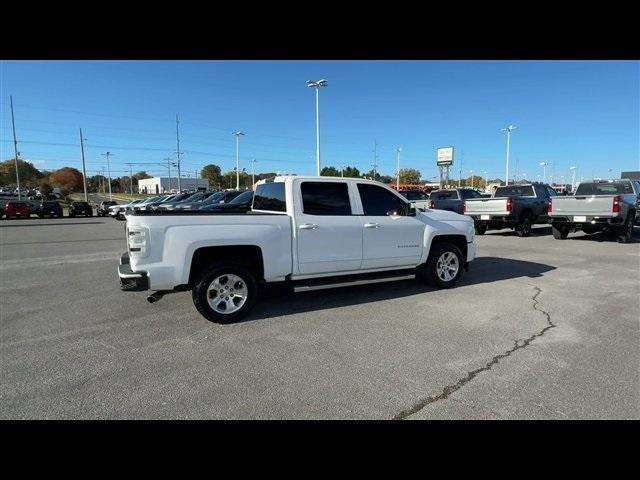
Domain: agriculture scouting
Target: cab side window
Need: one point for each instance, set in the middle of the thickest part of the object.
(378, 201)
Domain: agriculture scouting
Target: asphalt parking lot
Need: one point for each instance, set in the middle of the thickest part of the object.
(538, 329)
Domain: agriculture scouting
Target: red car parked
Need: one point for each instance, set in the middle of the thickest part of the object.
(17, 210)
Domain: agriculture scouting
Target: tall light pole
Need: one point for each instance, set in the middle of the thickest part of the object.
(178, 155)
(317, 84)
(108, 154)
(398, 150)
(471, 172)
(253, 172)
(544, 171)
(508, 129)
(237, 134)
(573, 177)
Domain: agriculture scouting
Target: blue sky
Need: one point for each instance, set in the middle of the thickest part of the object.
(583, 113)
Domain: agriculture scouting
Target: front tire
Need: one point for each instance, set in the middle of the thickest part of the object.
(444, 267)
(480, 228)
(559, 233)
(225, 293)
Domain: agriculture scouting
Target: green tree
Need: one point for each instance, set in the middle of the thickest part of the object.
(329, 172)
(29, 175)
(351, 172)
(141, 176)
(409, 175)
(212, 173)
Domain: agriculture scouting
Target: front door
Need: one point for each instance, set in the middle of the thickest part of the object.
(389, 240)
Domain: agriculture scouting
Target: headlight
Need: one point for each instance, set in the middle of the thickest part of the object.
(138, 241)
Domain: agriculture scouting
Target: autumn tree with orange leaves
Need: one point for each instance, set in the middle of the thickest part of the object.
(67, 178)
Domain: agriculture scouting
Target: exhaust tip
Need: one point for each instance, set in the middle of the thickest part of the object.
(151, 299)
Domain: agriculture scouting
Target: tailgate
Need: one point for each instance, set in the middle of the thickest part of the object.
(496, 206)
(592, 205)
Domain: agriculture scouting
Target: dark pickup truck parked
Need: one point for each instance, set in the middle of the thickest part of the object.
(52, 209)
(452, 199)
(606, 205)
(514, 206)
(80, 208)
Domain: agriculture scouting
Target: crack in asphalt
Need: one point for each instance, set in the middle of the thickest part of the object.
(449, 389)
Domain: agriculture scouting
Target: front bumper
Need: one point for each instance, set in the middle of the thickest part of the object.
(131, 281)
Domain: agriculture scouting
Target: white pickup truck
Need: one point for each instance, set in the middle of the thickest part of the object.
(308, 233)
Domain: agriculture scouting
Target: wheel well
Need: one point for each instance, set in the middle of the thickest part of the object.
(458, 240)
(249, 256)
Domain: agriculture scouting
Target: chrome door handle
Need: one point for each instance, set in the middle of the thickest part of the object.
(308, 226)
(371, 225)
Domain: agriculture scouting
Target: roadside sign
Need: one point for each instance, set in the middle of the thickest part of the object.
(445, 156)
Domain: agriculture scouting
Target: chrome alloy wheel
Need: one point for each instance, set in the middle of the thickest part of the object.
(447, 266)
(227, 294)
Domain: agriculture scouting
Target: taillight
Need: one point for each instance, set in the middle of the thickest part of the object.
(509, 205)
(550, 205)
(431, 204)
(616, 204)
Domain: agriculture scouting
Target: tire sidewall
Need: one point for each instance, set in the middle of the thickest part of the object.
(525, 222)
(200, 291)
(430, 273)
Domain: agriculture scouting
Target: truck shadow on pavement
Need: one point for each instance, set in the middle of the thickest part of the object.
(535, 232)
(278, 302)
(602, 236)
(50, 224)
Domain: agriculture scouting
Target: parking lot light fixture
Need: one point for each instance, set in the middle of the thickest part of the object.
(398, 150)
(237, 134)
(508, 129)
(544, 171)
(317, 84)
(573, 177)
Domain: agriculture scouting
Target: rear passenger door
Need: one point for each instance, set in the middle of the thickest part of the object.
(328, 235)
(388, 240)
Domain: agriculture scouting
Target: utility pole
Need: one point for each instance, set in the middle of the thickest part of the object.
(169, 167)
(237, 134)
(15, 147)
(460, 176)
(84, 170)
(398, 150)
(131, 179)
(178, 154)
(108, 154)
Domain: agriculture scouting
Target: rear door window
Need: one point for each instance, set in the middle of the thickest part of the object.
(325, 198)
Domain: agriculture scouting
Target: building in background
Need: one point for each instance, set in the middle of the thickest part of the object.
(630, 175)
(158, 185)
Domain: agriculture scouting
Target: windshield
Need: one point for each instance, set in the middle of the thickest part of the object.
(109, 203)
(214, 198)
(181, 196)
(514, 191)
(244, 197)
(613, 188)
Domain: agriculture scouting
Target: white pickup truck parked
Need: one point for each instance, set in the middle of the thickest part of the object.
(306, 232)
(604, 205)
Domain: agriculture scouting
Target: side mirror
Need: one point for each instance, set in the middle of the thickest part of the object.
(411, 210)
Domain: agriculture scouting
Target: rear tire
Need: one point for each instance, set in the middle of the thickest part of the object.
(523, 228)
(559, 233)
(212, 289)
(625, 234)
(444, 267)
(480, 228)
